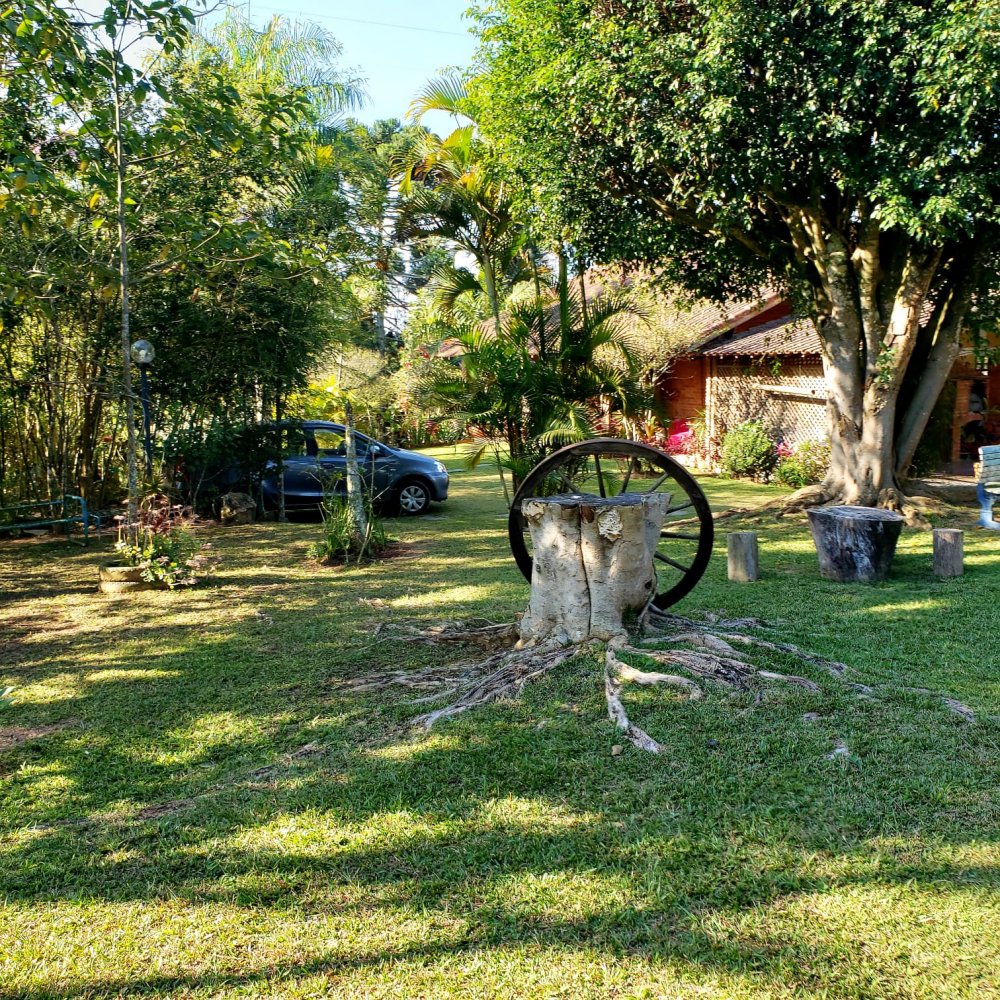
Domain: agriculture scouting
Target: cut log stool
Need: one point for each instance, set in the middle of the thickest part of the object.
(855, 544)
(948, 552)
(744, 559)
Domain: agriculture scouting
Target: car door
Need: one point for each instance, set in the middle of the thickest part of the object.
(302, 471)
(379, 465)
(331, 456)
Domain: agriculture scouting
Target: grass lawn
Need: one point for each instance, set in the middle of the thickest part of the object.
(191, 805)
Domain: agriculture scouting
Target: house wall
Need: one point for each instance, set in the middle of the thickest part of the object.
(682, 390)
(788, 393)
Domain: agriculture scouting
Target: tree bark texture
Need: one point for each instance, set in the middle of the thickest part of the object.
(854, 544)
(355, 487)
(743, 556)
(593, 565)
(132, 444)
(890, 314)
(948, 552)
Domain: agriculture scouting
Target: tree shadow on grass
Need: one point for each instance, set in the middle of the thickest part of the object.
(187, 778)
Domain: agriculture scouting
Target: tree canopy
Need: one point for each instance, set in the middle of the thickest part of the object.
(846, 151)
(200, 197)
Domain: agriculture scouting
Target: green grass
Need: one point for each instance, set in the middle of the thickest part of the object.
(205, 811)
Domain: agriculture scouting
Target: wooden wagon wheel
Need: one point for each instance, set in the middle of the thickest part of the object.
(611, 466)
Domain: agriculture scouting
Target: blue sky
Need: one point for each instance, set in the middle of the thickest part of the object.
(396, 45)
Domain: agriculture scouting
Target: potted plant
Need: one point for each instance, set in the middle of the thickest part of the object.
(156, 554)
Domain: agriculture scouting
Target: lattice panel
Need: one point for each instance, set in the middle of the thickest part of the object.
(790, 400)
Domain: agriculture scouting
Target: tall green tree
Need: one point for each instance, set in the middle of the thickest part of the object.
(847, 151)
(238, 229)
(102, 188)
(527, 386)
(453, 195)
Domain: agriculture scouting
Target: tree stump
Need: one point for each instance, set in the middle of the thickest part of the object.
(743, 556)
(237, 508)
(855, 544)
(593, 580)
(948, 552)
(593, 564)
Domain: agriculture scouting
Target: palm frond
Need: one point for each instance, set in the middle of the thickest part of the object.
(444, 93)
(474, 456)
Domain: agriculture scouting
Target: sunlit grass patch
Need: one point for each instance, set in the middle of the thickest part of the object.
(210, 812)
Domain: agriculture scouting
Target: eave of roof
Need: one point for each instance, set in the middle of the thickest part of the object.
(790, 335)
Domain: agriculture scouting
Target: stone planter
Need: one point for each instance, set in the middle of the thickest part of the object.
(124, 580)
(854, 544)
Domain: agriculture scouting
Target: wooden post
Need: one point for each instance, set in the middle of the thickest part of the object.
(744, 561)
(948, 552)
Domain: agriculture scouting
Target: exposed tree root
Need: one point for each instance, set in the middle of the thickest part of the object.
(703, 651)
(959, 709)
(507, 681)
(822, 494)
(616, 712)
(719, 634)
(477, 631)
(952, 704)
(715, 650)
(808, 496)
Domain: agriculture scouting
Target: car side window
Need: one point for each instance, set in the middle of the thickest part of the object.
(329, 443)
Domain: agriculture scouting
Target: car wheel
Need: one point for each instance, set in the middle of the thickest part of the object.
(413, 498)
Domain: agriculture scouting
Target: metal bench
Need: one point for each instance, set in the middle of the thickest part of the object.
(988, 485)
(68, 510)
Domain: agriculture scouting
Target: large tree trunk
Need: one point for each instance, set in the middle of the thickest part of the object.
(889, 313)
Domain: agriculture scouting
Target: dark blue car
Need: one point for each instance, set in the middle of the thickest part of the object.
(400, 480)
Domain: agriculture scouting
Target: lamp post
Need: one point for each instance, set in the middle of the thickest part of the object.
(142, 354)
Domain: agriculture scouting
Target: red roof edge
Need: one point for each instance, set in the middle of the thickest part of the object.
(746, 317)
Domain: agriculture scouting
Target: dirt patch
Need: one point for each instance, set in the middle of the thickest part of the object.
(396, 551)
(12, 737)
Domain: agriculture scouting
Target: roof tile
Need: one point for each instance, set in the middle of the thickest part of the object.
(790, 335)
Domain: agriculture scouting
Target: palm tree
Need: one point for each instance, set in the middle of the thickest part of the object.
(526, 385)
(296, 55)
(452, 195)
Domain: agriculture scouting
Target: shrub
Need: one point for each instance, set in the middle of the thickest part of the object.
(807, 464)
(158, 544)
(748, 452)
(337, 544)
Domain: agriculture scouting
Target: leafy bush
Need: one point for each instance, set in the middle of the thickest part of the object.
(748, 452)
(805, 465)
(425, 432)
(159, 545)
(208, 462)
(338, 544)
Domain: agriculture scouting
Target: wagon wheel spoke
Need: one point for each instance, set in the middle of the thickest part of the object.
(671, 562)
(600, 476)
(683, 506)
(659, 482)
(618, 467)
(628, 475)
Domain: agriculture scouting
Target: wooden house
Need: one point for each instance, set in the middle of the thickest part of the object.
(763, 362)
